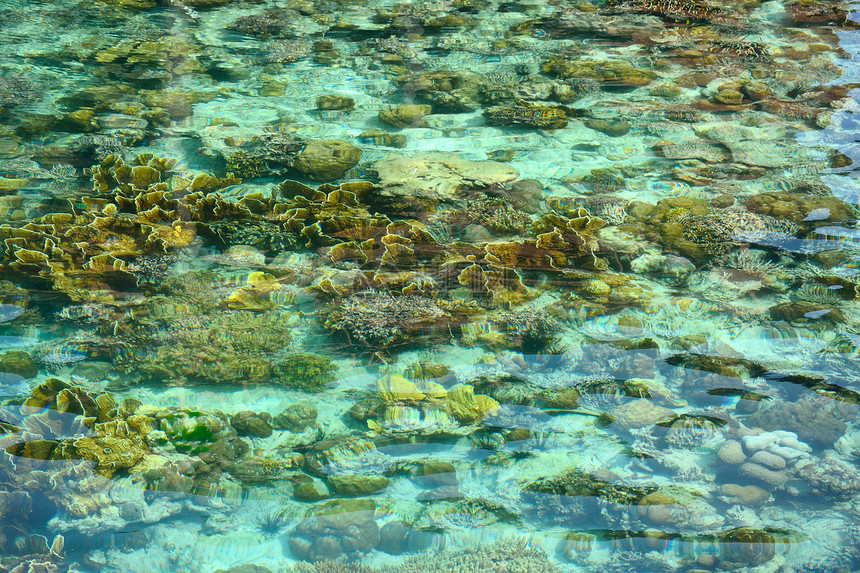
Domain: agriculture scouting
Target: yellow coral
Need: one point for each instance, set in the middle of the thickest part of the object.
(395, 388)
(263, 282)
(468, 407)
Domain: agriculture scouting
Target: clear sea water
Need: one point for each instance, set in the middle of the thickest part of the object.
(466, 285)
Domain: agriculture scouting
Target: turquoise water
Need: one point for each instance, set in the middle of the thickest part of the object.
(466, 286)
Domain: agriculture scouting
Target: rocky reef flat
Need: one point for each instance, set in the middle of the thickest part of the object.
(474, 286)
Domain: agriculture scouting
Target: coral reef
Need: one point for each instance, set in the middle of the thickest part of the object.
(830, 477)
(17, 90)
(640, 413)
(736, 548)
(426, 406)
(444, 90)
(768, 457)
(528, 331)
(405, 116)
(692, 430)
(749, 495)
(816, 422)
(131, 213)
(233, 348)
(335, 528)
(527, 114)
(641, 355)
(305, 371)
(717, 231)
(36, 556)
(573, 495)
(609, 73)
(673, 507)
(382, 319)
(495, 215)
(276, 154)
(514, 555)
(19, 363)
(263, 25)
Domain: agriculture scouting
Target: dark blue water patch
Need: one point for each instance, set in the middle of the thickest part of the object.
(9, 342)
(12, 385)
(10, 312)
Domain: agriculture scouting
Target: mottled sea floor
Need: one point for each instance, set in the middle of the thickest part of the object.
(458, 286)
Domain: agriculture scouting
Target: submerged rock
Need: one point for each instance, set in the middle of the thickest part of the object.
(750, 495)
(357, 486)
(379, 137)
(527, 115)
(435, 474)
(612, 128)
(640, 414)
(334, 529)
(614, 73)
(19, 363)
(398, 537)
(335, 102)
(434, 178)
(405, 115)
(252, 424)
(326, 160)
(446, 91)
(676, 507)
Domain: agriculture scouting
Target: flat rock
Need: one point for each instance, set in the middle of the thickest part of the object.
(439, 176)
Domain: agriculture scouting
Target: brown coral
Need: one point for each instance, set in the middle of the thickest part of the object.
(380, 319)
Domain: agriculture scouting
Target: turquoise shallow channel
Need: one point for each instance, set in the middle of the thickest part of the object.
(450, 286)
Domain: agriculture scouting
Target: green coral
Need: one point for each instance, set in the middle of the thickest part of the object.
(305, 371)
(218, 348)
(187, 439)
(189, 431)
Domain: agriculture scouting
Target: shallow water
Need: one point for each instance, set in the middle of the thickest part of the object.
(468, 285)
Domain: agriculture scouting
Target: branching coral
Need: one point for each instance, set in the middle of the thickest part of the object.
(17, 90)
(529, 331)
(513, 556)
(305, 371)
(220, 348)
(510, 556)
(717, 231)
(380, 319)
(496, 215)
